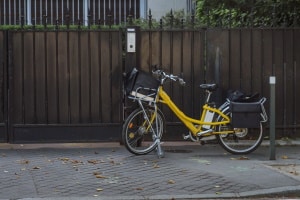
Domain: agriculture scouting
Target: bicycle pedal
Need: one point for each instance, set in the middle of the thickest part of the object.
(186, 137)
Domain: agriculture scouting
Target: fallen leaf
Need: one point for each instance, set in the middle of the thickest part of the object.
(284, 157)
(155, 165)
(240, 158)
(139, 188)
(243, 158)
(294, 173)
(64, 159)
(76, 162)
(96, 173)
(99, 189)
(171, 181)
(93, 161)
(217, 186)
(218, 192)
(24, 162)
(100, 176)
(36, 167)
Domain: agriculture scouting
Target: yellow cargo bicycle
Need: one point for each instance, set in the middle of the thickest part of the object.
(236, 124)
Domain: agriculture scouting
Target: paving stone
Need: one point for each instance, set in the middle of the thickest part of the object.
(86, 172)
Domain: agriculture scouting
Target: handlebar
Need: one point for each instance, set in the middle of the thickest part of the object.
(163, 76)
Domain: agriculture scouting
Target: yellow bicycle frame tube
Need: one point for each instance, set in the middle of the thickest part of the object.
(188, 121)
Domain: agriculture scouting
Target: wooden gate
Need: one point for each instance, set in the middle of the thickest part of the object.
(64, 86)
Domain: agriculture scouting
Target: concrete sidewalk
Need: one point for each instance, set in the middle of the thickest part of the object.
(108, 171)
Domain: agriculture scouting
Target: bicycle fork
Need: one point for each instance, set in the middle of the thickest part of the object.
(160, 152)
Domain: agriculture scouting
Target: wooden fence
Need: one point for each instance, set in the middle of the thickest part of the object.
(67, 85)
(235, 59)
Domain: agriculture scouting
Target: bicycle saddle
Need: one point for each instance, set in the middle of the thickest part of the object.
(209, 86)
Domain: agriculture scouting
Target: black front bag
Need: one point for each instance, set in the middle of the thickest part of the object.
(141, 82)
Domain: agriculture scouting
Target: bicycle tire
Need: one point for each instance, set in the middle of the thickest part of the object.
(135, 136)
(243, 141)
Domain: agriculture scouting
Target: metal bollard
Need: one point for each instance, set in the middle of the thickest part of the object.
(272, 118)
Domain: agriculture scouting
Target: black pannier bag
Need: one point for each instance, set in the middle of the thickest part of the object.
(246, 110)
(140, 84)
(245, 115)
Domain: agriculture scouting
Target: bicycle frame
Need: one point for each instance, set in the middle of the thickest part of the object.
(192, 123)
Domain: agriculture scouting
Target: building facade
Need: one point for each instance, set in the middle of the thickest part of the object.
(84, 11)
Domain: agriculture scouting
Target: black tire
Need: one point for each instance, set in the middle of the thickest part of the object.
(138, 137)
(243, 141)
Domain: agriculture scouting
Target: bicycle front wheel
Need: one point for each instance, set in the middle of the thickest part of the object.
(141, 129)
(242, 141)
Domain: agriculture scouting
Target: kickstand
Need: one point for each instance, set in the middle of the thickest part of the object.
(160, 152)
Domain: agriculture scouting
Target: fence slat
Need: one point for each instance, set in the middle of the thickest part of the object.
(85, 77)
(257, 65)
(40, 77)
(116, 72)
(234, 59)
(29, 95)
(74, 77)
(17, 77)
(95, 76)
(52, 92)
(63, 78)
(186, 70)
(105, 78)
(296, 76)
(246, 63)
(2, 79)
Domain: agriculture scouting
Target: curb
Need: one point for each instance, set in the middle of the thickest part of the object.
(255, 193)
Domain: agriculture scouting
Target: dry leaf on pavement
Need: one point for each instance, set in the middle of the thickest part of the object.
(100, 176)
(240, 158)
(24, 162)
(93, 161)
(155, 165)
(36, 167)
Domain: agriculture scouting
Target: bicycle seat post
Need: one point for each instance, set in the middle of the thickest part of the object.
(208, 94)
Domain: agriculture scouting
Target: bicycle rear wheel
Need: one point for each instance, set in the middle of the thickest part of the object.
(242, 141)
(141, 129)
